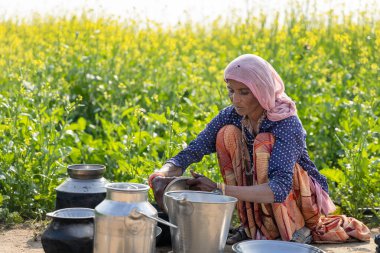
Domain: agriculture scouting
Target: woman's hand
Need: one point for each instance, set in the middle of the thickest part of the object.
(158, 185)
(159, 179)
(167, 170)
(201, 182)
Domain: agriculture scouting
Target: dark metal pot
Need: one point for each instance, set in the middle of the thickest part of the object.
(84, 188)
(71, 231)
(377, 241)
(164, 239)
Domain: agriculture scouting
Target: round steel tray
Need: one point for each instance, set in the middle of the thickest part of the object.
(272, 246)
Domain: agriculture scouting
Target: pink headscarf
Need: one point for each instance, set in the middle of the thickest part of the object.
(265, 84)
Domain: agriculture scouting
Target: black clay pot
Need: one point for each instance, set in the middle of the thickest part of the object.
(71, 231)
(84, 188)
(163, 239)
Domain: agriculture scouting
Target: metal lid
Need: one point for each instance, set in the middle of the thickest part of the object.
(72, 213)
(86, 171)
(270, 246)
(127, 187)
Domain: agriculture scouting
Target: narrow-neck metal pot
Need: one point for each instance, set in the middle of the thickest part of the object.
(84, 188)
(121, 222)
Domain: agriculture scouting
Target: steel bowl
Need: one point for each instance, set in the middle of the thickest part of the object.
(272, 246)
(177, 184)
(86, 171)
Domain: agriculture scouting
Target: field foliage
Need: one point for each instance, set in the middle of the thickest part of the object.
(130, 96)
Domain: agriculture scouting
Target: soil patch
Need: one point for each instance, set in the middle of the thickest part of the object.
(26, 238)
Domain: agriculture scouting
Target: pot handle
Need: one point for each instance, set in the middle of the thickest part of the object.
(186, 206)
(157, 219)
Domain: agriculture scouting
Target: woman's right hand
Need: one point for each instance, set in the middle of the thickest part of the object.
(167, 170)
(161, 178)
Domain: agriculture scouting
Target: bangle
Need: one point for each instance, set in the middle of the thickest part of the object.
(217, 190)
(223, 188)
(153, 176)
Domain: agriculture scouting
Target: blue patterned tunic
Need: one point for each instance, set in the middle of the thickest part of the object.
(289, 148)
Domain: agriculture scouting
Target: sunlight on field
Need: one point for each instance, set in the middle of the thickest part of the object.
(170, 12)
(89, 88)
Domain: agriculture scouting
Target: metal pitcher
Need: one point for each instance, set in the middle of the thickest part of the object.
(84, 188)
(203, 220)
(125, 221)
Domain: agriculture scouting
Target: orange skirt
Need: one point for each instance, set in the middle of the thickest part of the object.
(302, 207)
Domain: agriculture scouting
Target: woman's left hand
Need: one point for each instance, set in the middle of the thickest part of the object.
(201, 182)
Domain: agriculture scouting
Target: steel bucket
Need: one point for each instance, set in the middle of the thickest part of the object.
(125, 222)
(202, 218)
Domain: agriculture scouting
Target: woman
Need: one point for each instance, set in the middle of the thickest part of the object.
(260, 143)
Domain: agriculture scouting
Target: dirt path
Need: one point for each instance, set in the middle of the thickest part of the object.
(27, 239)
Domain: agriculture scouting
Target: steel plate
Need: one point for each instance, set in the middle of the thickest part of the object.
(272, 246)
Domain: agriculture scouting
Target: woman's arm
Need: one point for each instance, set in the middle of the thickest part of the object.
(261, 193)
(256, 193)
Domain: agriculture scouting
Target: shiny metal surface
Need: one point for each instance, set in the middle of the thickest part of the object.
(177, 184)
(86, 171)
(84, 178)
(72, 213)
(158, 220)
(203, 220)
(271, 246)
(119, 228)
(158, 231)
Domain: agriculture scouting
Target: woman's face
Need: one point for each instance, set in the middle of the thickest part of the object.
(243, 100)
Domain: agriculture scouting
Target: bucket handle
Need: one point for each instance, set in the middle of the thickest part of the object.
(156, 219)
(186, 206)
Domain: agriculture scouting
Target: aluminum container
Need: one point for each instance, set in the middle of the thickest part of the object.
(125, 222)
(203, 220)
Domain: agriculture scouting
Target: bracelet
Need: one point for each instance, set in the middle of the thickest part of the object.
(153, 176)
(223, 188)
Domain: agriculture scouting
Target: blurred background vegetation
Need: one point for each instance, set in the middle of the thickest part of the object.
(79, 90)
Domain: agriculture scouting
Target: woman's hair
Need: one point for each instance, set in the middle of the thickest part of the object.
(265, 84)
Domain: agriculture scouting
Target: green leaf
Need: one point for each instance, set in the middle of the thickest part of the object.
(334, 175)
(158, 117)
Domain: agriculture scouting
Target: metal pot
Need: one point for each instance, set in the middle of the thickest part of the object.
(377, 241)
(270, 246)
(84, 188)
(164, 238)
(203, 220)
(125, 221)
(71, 231)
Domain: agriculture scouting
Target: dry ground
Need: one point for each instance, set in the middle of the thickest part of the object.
(27, 239)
